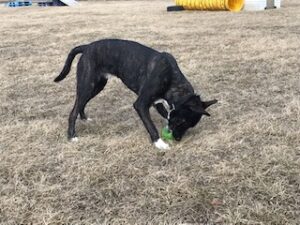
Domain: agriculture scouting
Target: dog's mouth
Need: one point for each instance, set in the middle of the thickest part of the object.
(176, 136)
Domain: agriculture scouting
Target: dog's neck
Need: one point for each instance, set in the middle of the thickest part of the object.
(179, 86)
(177, 92)
(169, 108)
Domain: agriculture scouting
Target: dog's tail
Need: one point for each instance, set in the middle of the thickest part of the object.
(67, 67)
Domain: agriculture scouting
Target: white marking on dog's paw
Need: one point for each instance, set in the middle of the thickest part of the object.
(74, 139)
(89, 119)
(161, 145)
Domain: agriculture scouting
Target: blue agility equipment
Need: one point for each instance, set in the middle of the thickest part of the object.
(19, 4)
(41, 3)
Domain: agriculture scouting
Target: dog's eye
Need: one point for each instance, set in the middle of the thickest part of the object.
(177, 121)
(180, 121)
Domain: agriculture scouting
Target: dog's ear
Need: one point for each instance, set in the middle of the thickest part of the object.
(196, 105)
(209, 103)
(199, 109)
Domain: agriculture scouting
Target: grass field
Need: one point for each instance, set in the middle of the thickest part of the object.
(240, 166)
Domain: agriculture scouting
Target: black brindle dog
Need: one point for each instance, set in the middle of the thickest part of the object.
(154, 76)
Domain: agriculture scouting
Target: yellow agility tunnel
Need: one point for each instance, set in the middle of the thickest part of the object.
(232, 5)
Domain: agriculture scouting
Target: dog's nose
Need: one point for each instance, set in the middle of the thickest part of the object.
(177, 138)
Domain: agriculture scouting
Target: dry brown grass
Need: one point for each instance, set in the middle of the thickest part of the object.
(241, 166)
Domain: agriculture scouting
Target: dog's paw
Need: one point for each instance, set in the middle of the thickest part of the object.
(85, 119)
(74, 139)
(160, 144)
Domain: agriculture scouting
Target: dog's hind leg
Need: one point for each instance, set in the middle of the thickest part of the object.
(99, 85)
(72, 121)
(85, 87)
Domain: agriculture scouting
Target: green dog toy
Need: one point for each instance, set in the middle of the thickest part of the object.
(166, 134)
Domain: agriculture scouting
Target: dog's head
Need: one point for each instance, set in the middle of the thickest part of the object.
(187, 114)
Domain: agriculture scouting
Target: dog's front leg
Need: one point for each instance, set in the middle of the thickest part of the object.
(143, 111)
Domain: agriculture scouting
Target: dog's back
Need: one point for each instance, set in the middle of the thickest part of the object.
(128, 60)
